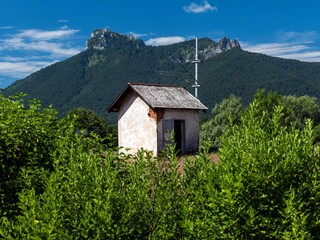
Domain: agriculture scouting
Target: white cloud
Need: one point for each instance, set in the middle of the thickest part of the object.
(52, 42)
(32, 49)
(164, 40)
(53, 48)
(63, 21)
(302, 52)
(22, 69)
(273, 49)
(6, 27)
(313, 56)
(138, 35)
(196, 8)
(13, 59)
(46, 35)
(289, 45)
(306, 36)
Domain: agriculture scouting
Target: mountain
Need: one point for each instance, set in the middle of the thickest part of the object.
(103, 38)
(93, 78)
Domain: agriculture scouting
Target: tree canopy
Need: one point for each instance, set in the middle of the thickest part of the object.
(296, 111)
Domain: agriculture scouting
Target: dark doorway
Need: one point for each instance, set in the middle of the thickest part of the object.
(178, 126)
(179, 135)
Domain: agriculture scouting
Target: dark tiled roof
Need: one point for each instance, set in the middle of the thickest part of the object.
(161, 96)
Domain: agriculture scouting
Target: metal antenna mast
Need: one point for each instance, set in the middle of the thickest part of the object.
(196, 61)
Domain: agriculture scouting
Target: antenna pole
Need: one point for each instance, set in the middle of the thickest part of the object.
(196, 61)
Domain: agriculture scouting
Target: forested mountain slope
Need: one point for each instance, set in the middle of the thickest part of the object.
(93, 78)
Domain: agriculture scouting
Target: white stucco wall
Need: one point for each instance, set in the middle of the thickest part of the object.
(191, 118)
(135, 128)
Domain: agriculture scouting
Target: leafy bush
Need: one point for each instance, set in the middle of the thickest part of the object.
(27, 139)
(100, 196)
(269, 175)
(266, 186)
(298, 109)
(227, 113)
(223, 113)
(88, 122)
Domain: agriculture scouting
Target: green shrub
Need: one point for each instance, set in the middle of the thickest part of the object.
(88, 122)
(266, 185)
(94, 193)
(27, 139)
(270, 172)
(225, 114)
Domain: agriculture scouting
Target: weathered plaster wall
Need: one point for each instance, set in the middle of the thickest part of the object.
(135, 128)
(139, 126)
(191, 118)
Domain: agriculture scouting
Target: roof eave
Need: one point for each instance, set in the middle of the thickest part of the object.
(110, 108)
(198, 109)
(115, 108)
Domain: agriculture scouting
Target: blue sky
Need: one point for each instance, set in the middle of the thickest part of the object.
(38, 33)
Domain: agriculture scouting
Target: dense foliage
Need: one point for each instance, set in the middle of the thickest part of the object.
(89, 123)
(266, 185)
(271, 177)
(27, 140)
(296, 110)
(227, 111)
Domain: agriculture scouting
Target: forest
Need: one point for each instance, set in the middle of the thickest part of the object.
(63, 178)
(94, 78)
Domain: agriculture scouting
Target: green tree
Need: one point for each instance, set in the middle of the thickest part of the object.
(265, 102)
(296, 111)
(299, 109)
(266, 185)
(76, 201)
(96, 194)
(90, 123)
(27, 140)
(267, 170)
(225, 114)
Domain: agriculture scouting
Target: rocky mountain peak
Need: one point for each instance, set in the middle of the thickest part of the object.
(209, 48)
(225, 43)
(104, 38)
